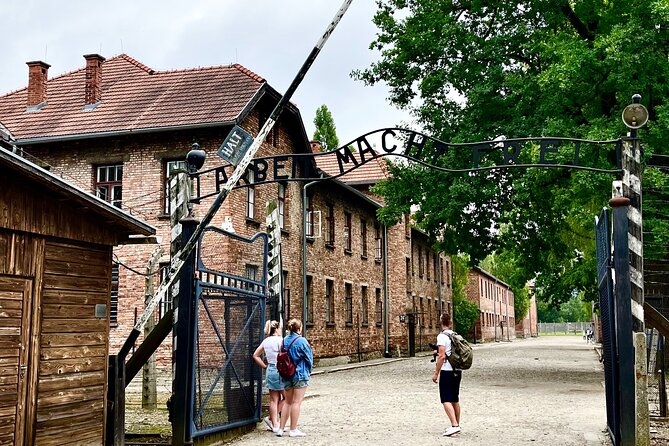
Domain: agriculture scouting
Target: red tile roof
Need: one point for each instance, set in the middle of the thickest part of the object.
(369, 173)
(134, 97)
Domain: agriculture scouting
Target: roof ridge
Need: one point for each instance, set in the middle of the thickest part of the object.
(133, 61)
(184, 70)
(249, 73)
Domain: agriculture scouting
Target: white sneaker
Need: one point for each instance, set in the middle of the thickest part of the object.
(279, 432)
(296, 433)
(451, 430)
(267, 421)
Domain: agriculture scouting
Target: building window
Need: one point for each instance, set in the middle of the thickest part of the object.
(347, 231)
(363, 304)
(429, 313)
(310, 217)
(441, 267)
(378, 307)
(348, 299)
(437, 320)
(251, 196)
(363, 238)
(330, 233)
(251, 272)
(421, 314)
(434, 265)
(329, 302)
(378, 242)
(108, 181)
(113, 296)
(286, 297)
(310, 300)
(170, 168)
(281, 199)
(420, 261)
(408, 268)
(427, 264)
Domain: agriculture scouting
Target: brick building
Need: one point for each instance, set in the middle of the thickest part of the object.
(118, 128)
(494, 299)
(527, 327)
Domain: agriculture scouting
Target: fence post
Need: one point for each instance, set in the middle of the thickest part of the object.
(624, 333)
(183, 340)
(641, 372)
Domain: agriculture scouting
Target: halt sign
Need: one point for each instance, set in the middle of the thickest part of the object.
(235, 145)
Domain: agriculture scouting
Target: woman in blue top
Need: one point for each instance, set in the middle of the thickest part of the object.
(295, 387)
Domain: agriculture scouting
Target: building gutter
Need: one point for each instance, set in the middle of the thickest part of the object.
(385, 292)
(80, 136)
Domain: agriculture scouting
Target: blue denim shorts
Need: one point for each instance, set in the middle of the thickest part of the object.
(273, 379)
(294, 383)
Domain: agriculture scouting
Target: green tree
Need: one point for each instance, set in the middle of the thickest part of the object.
(486, 69)
(326, 131)
(465, 312)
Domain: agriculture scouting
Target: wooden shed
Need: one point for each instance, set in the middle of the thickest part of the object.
(55, 275)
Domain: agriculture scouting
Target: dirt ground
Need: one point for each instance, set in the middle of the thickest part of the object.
(544, 391)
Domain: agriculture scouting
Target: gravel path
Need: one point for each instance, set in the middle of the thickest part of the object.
(543, 391)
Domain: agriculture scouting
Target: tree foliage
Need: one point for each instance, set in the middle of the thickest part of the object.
(484, 69)
(465, 312)
(326, 131)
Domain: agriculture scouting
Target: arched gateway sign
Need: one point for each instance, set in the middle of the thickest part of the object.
(622, 311)
(416, 147)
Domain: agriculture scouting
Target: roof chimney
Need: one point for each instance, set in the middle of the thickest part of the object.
(38, 72)
(316, 146)
(93, 80)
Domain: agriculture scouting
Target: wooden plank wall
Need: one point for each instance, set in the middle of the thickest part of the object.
(73, 345)
(25, 207)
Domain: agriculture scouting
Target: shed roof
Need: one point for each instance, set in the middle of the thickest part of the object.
(135, 98)
(122, 222)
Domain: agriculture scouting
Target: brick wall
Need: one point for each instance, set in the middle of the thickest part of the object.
(143, 158)
(495, 302)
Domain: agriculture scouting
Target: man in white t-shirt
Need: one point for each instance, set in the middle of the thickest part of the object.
(448, 378)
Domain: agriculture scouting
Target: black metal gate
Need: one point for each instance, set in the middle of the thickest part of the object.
(230, 316)
(616, 320)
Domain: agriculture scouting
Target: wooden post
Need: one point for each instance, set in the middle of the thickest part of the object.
(149, 387)
(631, 188)
(641, 372)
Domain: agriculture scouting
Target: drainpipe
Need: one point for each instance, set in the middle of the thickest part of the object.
(304, 257)
(439, 289)
(385, 290)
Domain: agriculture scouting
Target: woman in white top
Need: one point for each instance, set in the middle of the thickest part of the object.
(271, 346)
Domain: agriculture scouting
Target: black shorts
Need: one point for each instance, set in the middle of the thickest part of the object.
(449, 386)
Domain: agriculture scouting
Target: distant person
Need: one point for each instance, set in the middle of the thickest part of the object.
(448, 378)
(271, 346)
(591, 334)
(296, 386)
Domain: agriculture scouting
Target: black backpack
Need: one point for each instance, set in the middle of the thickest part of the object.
(461, 352)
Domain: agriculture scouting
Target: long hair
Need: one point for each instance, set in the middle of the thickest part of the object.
(271, 327)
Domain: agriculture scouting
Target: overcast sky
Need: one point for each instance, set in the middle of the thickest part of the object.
(269, 37)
